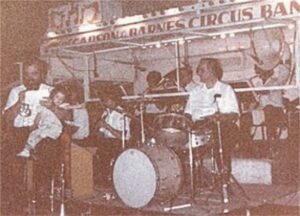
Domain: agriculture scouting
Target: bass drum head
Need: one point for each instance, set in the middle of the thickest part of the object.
(134, 178)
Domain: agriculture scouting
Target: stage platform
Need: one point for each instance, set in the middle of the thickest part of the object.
(205, 202)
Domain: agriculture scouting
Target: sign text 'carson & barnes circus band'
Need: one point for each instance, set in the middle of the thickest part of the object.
(211, 19)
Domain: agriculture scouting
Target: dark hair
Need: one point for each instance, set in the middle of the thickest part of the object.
(154, 77)
(214, 65)
(112, 94)
(34, 60)
(57, 89)
(185, 71)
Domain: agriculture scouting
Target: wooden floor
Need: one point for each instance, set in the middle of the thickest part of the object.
(206, 202)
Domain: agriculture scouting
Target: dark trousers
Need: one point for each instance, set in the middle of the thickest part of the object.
(47, 164)
(12, 167)
(229, 138)
(107, 152)
(274, 116)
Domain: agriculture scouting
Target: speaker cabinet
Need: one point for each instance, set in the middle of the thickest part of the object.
(81, 171)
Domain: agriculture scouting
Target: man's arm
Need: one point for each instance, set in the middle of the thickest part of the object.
(11, 112)
(114, 132)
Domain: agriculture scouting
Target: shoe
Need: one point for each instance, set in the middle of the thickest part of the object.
(25, 153)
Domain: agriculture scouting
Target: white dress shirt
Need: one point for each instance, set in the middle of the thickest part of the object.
(32, 98)
(117, 121)
(202, 102)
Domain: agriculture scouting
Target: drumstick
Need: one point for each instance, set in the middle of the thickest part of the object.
(178, 207)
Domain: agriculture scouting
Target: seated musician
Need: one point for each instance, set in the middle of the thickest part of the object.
(114, 127)
(215, 101)
(270, 102)
(153, 81)
(187, 84)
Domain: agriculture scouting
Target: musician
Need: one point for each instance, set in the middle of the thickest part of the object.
(114, 126)
(269, 102)
(214, 101)
(187, 83)
(21, 108)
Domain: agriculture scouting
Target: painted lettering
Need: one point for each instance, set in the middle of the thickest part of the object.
(280, 10)
(266, 11)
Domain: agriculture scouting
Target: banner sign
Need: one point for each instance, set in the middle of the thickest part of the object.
(218, 17)
(64, 18)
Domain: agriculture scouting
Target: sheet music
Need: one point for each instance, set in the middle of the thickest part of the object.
(34, 97)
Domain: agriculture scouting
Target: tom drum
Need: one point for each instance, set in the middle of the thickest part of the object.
(172, 130)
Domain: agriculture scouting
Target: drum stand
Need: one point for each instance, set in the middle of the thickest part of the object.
(191, 163)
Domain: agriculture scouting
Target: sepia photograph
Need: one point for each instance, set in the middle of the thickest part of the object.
(150, 107)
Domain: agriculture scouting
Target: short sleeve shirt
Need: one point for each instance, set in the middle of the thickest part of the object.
(202, 101)
(32, 98)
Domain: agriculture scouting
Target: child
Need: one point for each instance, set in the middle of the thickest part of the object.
(48, 122)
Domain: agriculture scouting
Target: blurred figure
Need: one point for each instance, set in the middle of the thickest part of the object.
(114, 126)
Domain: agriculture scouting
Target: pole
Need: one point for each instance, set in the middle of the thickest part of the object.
(191, 166)
(177, 46)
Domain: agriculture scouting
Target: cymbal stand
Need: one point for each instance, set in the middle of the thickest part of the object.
(123, 131)
(222, 167)
(62, 205)
(52, 196)
(191, 163)
(142, 105)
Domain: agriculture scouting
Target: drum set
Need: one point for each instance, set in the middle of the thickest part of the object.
(155, 170)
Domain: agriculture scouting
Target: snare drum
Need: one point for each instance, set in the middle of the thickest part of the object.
(202, 133)
(140, 175)
(172, 129)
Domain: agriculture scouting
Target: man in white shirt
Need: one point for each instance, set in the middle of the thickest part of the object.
(22, 106)
(215, 101)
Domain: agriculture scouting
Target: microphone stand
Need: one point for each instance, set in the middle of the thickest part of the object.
(221, 169)
(142, 120)
(124, 131)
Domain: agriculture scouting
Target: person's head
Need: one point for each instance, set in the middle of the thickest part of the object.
(263, 74)
(58, 95)
(186, 76)
(111, 98)
(153, 78)
(209, 69)
(34, 72)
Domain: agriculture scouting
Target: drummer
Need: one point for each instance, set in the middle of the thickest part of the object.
(153, 81)
(114, 126)
(213, 101)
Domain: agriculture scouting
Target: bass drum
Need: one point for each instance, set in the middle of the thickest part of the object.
(152, 172)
